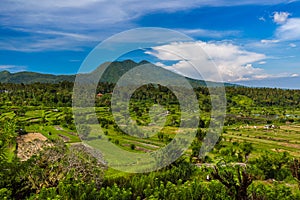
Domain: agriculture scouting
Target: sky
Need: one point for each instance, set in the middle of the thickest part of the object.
(252, 42)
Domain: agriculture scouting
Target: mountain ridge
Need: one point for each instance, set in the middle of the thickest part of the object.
(112, 74)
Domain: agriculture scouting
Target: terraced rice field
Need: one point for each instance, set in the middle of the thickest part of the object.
(284, 138)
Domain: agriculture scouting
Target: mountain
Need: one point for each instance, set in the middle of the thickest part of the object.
(33, 77)
(114, 71)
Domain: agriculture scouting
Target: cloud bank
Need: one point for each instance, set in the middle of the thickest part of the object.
(231, 62)
(69, 24)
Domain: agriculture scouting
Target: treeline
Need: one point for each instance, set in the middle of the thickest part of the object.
(60, 94)
(266, 96)
(37, 94)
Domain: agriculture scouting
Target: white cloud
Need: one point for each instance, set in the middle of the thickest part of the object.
(262, 63)
(82, 14)
(289, 31)
(37, 44)
(231, 62)
(269, 41)
(280, 75)
(262, 19)
(278, 80)
(208, 33)
(76, 36)
(160, 64)
(73, 20)
(39, 40)
(12, 68)
(280, 17)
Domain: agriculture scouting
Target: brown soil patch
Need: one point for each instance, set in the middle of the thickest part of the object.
(32, 136)
(31, 144)
(296, 146)
(290, 128)
(64, 138)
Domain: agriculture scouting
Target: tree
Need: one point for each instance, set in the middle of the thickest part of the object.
(235, 179)
(273, 165)
(295, 168)
(246, 148)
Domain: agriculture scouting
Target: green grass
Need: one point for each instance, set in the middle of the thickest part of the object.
(11, 152)
(125, 140)
(45, 130)
(9, 115)
(111, 173)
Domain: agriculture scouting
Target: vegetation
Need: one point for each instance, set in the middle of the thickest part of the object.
(31, 77)
(257, 156)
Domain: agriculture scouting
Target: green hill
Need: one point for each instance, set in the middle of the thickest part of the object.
(33, 77)
(115, 70)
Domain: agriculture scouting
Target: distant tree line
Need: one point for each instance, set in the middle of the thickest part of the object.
(60, 94)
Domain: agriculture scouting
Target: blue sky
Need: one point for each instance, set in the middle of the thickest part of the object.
(261, 38)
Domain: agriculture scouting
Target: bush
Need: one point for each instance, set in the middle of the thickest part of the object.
(275, 191)
(273, 165)
(132, 146)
